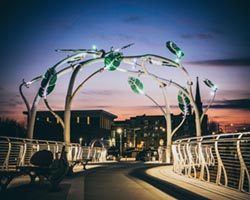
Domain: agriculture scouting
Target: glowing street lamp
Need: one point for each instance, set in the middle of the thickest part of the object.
(119, 131)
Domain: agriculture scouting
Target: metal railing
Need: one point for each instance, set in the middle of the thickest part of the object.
(222, 159)
(18, 151)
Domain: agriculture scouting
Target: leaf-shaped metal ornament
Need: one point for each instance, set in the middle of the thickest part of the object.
(48, 83)
(174, 49)
(210, 84)
(113, 60)
(136, 85)
(183, 102)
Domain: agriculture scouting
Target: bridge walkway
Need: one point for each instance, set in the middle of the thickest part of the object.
(202, 188)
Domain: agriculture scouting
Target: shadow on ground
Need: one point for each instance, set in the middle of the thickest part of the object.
(35, 192)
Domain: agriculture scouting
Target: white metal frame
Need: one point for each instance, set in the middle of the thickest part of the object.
(18, 151)
(222, 159)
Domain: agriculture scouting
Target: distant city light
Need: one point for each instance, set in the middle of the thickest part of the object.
(119, 130)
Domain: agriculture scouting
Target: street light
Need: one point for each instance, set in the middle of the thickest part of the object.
(80, 141)
(119, 131)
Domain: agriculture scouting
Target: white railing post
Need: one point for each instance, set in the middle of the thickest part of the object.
(223, 159)
(6, 161)
(243, 168)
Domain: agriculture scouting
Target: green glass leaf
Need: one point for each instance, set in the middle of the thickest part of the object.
(50, 89)
(183, 102)
(136, 85)
(208, 83)
(174, 49)
(183, 108)
(167, 64)
(113, 60)
(49, 77)
(41, 92)
(48, 83)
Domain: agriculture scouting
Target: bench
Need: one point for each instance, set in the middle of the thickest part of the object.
(6, 176)
(73, 163)
(45, 167)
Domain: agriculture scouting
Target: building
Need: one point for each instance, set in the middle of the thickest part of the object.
(86, 125)
(144, 132)
(140, 132)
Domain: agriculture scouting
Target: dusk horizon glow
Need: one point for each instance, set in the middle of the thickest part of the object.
(214, 36)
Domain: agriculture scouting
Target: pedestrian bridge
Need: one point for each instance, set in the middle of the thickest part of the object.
(18, 151)
(220, 159)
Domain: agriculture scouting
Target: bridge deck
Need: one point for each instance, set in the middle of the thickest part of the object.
(208, 190)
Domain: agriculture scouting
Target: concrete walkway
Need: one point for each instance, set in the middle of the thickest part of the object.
(73, 188)
(208, 190)
(115, 182)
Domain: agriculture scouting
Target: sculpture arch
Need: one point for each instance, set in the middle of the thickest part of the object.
(94, 141)
(111, 61)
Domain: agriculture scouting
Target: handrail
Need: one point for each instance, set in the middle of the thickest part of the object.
(223, 159)
(18, 151)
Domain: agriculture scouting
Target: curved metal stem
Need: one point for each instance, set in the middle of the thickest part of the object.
(85, 80)
(208, 106)
(155, 103)
(70, 95)
(24, 98)
(53, 113)
(180, 124)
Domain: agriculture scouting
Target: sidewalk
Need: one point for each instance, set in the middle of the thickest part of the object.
(72, 188)
(208, 190)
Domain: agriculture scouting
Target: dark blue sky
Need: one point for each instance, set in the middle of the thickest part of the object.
(215, 36)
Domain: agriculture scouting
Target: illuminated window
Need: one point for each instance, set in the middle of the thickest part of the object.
(47, 119)
(78, 120)
(88, 120)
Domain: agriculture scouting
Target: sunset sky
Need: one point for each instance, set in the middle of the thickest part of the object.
(214, 35)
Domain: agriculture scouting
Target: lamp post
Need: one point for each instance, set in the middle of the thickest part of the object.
(134, 137)
(119, 131)
(80, 141)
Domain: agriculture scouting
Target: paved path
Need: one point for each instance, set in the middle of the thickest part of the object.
(205, 189)
(114, 182)
(123, 181)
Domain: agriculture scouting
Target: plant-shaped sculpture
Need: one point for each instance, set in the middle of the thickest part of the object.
(45, 88)
(185, 96)
(112, 61)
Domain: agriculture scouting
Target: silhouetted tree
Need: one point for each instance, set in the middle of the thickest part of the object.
(11, 128)
(213, 127)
